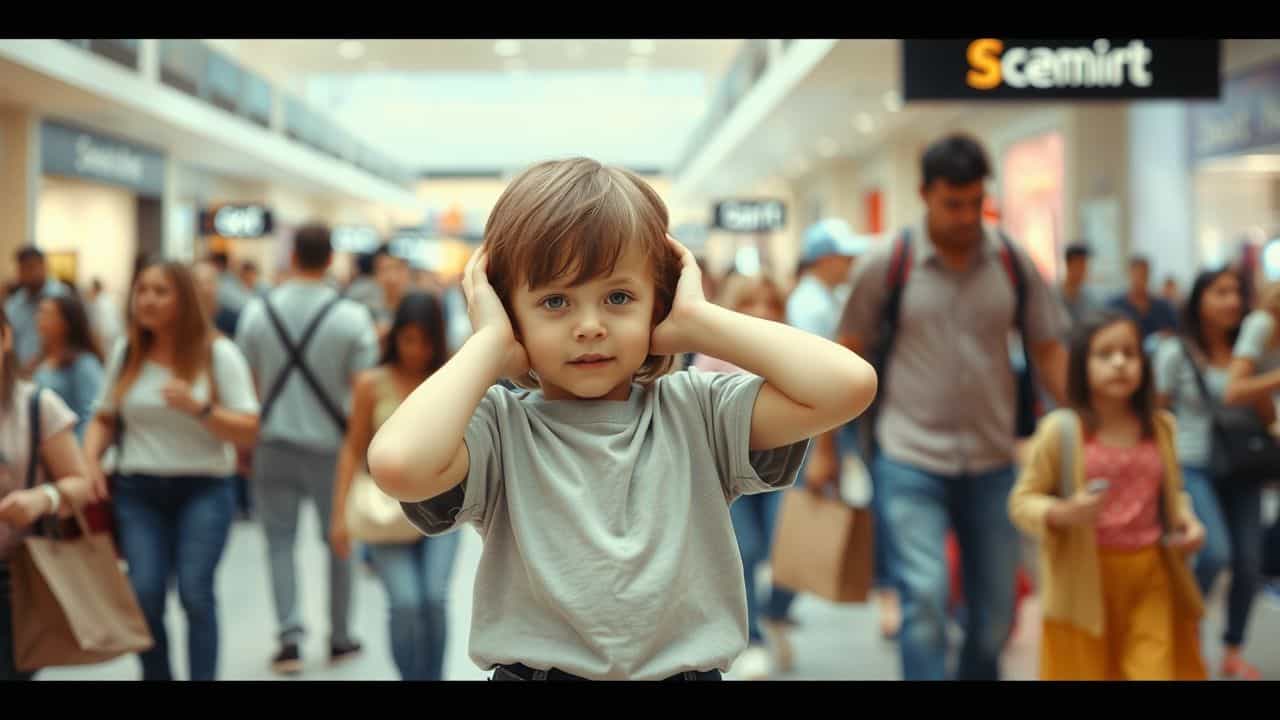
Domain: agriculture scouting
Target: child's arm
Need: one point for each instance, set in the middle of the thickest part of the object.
(811, 384)
(1035, 506)
(419, 452)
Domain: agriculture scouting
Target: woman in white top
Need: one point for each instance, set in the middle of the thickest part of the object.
(21, 506)
(176, 435)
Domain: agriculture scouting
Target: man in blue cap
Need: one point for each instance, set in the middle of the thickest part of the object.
(827, 257)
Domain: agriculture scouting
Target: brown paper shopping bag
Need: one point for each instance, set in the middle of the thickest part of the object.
(823, 546)
(72, 604)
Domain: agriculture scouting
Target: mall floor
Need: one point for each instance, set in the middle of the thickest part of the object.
(832, 642)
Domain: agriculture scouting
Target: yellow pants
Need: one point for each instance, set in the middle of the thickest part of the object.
(1138, 635)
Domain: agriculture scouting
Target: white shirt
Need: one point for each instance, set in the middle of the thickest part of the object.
(160, 440)
(813, 307)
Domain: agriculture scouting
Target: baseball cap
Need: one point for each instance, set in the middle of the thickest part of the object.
(832, 236)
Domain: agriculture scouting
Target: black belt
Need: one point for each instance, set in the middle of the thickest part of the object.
(526, 673)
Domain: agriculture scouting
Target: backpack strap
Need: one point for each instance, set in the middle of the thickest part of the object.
(33, 417)
(1069, 438)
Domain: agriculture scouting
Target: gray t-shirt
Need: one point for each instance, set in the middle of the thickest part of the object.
(1175, 377)
(344, 344)
(1255, 336)
(608, 548)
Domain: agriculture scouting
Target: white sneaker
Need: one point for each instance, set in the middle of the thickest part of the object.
(753, 664)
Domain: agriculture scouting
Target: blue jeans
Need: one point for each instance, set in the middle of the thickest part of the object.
(8, 670)
(416, 578)
(918, 508)
(168, 526)
(755, 519)
(1232, 520)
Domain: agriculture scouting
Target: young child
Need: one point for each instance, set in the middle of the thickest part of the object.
(1118, 596)
(754, 516)
(602, 493)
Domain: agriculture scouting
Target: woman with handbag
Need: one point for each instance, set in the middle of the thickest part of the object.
(72, 362)
(414, 569)
(22, 506)
(1191, 379)
(177, 401)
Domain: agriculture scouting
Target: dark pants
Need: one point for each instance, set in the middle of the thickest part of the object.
(1232, 519)
(8, 671)
(175, 526)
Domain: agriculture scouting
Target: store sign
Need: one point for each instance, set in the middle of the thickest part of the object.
(1247, 117)
(750, 216)
(1059, 69)
(355, 239)
(69, 151)
(237, 221)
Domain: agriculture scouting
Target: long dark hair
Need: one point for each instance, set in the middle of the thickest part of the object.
(9, 374)
(1192, 326)
(1079, 393)
(426, 312)
(80, 338)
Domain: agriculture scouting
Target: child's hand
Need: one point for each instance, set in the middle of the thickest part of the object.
(1081, 509)
(1187, 536)
(488, 315)
(674, 336)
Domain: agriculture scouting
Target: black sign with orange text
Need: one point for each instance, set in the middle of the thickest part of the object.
(1060, 68)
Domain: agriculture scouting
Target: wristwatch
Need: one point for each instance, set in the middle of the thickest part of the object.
(55, 497)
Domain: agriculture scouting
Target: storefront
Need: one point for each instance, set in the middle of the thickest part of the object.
(245, 232)
(99, 205)
(1235, 147)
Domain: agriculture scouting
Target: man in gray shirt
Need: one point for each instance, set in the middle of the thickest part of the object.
(34, 285)
(946, 423)
(305, 385)
(1076, 297)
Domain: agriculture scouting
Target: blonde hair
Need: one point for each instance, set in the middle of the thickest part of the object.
(574, 218)
(736, 290)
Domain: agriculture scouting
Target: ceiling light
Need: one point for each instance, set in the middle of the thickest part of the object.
(507, 48)
(643, 47)
(828, 147)
(892, 101)
(864, 122)
(351, 49)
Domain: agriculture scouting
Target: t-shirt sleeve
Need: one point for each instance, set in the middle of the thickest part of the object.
(1046, 317)
(1168, 360)
(55, 415)
(1255, 333)
(105, 402)
(728, 402)
(867, 295)
(235, 382)
(472, 501)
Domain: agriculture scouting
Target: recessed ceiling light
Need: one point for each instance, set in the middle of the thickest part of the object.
(864, 122)
(507, 48)
(643, 47)
(351, 49)
(892, 101)
(828, 147)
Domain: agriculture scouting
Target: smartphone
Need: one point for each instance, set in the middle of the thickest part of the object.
(1097, 485)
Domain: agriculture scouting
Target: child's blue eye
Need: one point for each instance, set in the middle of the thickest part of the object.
(555, 302)
(619, 298)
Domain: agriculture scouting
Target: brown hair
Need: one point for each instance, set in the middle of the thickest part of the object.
(9, 374)
(194, 344)
(574, 218)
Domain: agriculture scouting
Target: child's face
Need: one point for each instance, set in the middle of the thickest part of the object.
(589, 341)
(1115, 362)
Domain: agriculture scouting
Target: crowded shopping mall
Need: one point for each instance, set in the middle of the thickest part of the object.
(995, 323)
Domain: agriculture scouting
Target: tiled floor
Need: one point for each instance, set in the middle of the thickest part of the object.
(833, 642)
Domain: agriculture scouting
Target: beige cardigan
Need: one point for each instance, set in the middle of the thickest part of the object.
(1070, 580)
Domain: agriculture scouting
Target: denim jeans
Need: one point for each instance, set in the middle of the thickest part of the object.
(416, 579)
(754, 521)
(283, 477)
(1232, 520)
(8, 671)
(918, 508)
(175, 526)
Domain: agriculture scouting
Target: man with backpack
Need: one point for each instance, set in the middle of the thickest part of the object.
(934, 310)
(305, 344)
